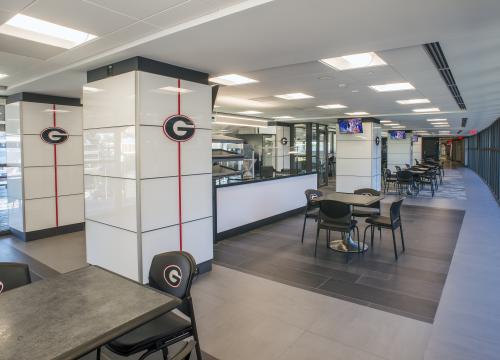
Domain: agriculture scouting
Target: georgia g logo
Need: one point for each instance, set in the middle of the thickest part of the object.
(178, 128)
(173, 275)
(54, 135)
(1, 287)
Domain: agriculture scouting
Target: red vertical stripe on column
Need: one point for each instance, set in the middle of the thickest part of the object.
(179, 176)
(55, 167)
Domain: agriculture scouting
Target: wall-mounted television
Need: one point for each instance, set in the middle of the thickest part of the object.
(397, 134)
(414, 138)
(351, 126)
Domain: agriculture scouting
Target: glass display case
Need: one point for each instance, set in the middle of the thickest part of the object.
(232, 159)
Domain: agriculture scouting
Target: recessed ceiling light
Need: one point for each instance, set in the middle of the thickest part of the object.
(236, 124)
(294, 96)
(176, 90)
(392, 87)
(33, 29)
(431, 120)
(444, 131)
(354, 61)
(434, 109)
(413, 101)
(357, 113)
(385, 121)
(441, 126)
(232, 80)
(3, 76)
(56, 110)
(440, 123)
(332, 106)
(355, 91)
(250, 112)
(91, 89)
(216, 106)
(394, 124)
(399, 127)
(284, 117)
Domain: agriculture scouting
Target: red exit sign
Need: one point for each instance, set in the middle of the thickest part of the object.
(473, 132)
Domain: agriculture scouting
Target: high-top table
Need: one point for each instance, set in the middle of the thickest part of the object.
(70, 315)
(347, 244)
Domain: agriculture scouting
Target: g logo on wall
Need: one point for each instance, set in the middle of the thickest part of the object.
(284, 141)
(178, 128)
(173, 275)
(54, 135)
(1, 287)
(377, 140)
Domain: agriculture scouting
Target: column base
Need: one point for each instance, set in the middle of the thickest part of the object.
(44, 233)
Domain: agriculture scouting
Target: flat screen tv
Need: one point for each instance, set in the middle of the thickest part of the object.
(351, 126)
(414, 138)
(397, 134)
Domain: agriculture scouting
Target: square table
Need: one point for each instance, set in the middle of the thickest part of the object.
(70, 315)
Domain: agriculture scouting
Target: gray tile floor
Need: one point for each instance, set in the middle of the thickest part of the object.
(242, 316)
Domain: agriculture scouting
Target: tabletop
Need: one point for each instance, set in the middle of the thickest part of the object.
(69, 315)
(352, 199)
(417, 172)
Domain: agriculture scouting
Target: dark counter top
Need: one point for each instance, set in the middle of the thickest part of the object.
(256, 180)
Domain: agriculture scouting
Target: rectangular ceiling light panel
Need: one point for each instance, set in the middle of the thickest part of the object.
(357, 113)
(392, 87)
(413, 101)
(33, 29)
(294, 96)
(332, 106)
(355, 61)
(425, 110)
(232, 80)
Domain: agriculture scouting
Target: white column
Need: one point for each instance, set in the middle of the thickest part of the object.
(131, 172)
(283, 147)
(399, 152)
(359, 159)
(417, 150)
(45, 166)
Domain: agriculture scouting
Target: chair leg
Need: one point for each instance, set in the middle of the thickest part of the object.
(394, 243)
(364, 235)
(304, 228)
(359, 248)
(371, 239)
(402, 237)
(98, 353)
(316, 244)
(165, 353)
(380, 233)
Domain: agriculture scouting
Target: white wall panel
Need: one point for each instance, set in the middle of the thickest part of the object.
(110, 152)
(39, 182)
(70, 151)
(159, 204)
(71, 209)
(40, 214)
(243, 204)
(109, 102)
(349, 183)
(197, 239)
(158, 98)
(36, 152)
(36, 117)
(112, 248)
(70, 180)
(111, 201)
(196, 197)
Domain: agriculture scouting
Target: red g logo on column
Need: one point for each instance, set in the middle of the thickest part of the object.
(54, 135)
(178, 128)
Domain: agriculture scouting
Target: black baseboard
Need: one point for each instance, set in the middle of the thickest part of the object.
(205, 267)
(44, 233)
(256, 224)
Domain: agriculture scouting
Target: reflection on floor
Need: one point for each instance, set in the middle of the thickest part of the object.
(411, 286)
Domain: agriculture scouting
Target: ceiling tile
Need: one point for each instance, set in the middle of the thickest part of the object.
(28, 48)
(137, 9)
(189, 11)
(14, 5)
(78, 15)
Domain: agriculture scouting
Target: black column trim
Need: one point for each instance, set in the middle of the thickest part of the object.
(44, 233)
(139, 63)
(43, 99)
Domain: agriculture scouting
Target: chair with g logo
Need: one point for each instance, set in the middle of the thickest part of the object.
(13, 275)
(173, 273)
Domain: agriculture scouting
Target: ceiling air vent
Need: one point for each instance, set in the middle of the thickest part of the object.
(464, 122)
(436, 53)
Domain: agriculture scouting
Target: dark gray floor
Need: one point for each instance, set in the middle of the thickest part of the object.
(410, 287)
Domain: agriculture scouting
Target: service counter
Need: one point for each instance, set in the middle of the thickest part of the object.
(245, 205)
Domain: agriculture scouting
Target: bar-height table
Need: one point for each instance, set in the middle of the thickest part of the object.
(70, 315)
(349, 245)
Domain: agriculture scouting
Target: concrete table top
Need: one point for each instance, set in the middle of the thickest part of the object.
(352, 199)
(69, 315)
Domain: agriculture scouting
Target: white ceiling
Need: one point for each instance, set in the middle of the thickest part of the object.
(279, 42)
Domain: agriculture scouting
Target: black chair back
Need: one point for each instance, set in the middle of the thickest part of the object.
(395, 212)
(335, 212)
(405, 175)
(267, 171)
(398, 168)
(370, 192)
(13, 275)
(173, 272)
(312, 194)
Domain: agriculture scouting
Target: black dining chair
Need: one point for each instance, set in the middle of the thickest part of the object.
(392, 222)
(13, 275)
(405, 181)
(430, 178)
(312, 208)
(172, 273)
(267, 172)
(389, 178)
(335, 216)
(370, 210)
